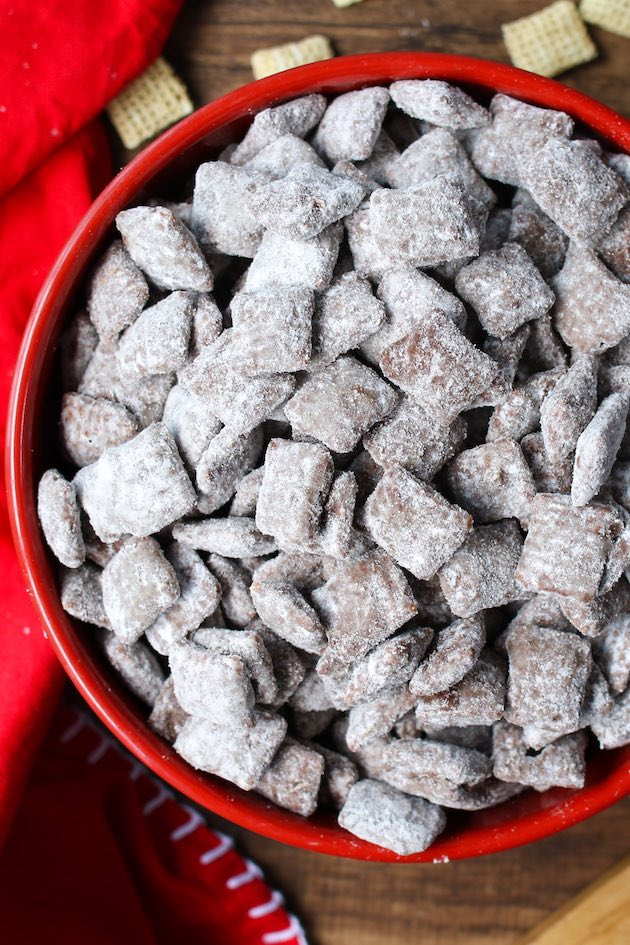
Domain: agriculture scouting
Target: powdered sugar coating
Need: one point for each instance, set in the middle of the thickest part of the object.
(138, 667)
(164, 249)
(590, 197)
(351, 124)
(380, 814)
(414, 523)
(199, 597)
(597, 448)
(167, 716)
(438, 102)
(439, 368)
(430, 224)
(293, 779)
(90, 425)
(455, 651)
(281, 261)
(346, 315)
(249, 646)
(78, 344)
(478, 699)
(271, 330)
(157, 342)
(59, 516)
(137, 488)
(549, 476)
(568, 408)
(410, 761)
(138, 585)
(615, 247)
(544, 242)
(190, 422)
(492, 482)
(480, 575)
(560, 764)
(232, 537)
(505, 288)
(286, 611)
(519, 414)
(235, 581)
(296, 117)
(82, 594)
(226, 459)
(340, 403)
(389, 665)
(224, 217)
(277, 158)
(613, 653)
(117, 292)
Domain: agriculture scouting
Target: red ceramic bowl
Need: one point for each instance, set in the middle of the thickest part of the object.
(30, 449)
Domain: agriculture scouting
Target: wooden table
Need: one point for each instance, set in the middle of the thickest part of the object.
(496, 899)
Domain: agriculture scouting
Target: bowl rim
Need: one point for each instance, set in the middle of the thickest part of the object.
(114, 708)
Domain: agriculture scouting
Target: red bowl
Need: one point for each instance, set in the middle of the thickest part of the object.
(522, 820)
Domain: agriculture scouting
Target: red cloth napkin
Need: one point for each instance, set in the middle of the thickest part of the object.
(94, 855)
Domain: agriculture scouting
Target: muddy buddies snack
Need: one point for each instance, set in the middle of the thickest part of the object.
(343, 482)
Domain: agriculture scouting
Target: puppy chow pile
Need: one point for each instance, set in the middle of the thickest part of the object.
(345, 477)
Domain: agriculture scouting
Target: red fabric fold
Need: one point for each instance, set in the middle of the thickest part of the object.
(61, 63)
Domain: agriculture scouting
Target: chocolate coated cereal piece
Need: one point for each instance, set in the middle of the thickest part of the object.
(612, 725)
(164, 249)
(438, 102)
(82, 595)
(352, 172)
(78, 344)
(410, 297)
(340, 403)
(410, 438)
(339, 775)
(432, 223)
(507, 353)
(137, 488)
(568, 408)
(548, 672)
(305, 571)
(388, 665)
(286, 611)
(439, 368)
(505, 288)
(351, 125)
(272, 330)
(238, 754)
(305, 202)
(613, 652)
(370, 720)
(410, 760)
(59, 517)
(145, 396)
(414, 523)
(249, 646)
(240, 402)
(157, 342)
(207, 323)
(560, 764)
(167, 716)
(367, 256)
(199, 597)
(615, 248)
(544, 242)
(246, 495)
(382, 815)
(519, 414)
(289, 668)
(221, 467)
(433, 155)
(517, 133)
(90, 425)
(591, 195)
(138, 585)
(592, 311)
(548, 476)
(117, 292)
(296, 117)
(295, 484)
(480, 575)
(191, 424)
(566, 548)
(293, 778)
(224, 217)
(364, 601)
(276, 159)
(345, 316)
(477, 699)
(138, 667)
(492, 482)
(338, 538)
(236, 600)
(455, 651)
(210, 685)
(288, 262)
(597, 448)
(544, 350)
(311, 695)
(231, 537)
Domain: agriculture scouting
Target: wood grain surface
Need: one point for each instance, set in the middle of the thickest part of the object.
(493, 900)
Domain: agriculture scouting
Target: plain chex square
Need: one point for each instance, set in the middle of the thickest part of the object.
(278, 58)
(551, 41)
(612, 15)
(155, 100)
